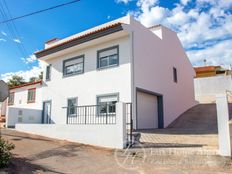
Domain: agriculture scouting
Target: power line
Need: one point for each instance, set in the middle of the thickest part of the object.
(12, 28)
(15, 30)
(40, 11)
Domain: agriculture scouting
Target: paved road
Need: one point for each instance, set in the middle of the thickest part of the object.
(39, 155)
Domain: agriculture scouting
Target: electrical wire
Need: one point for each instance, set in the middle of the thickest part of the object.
(14, 34)
(39, 11)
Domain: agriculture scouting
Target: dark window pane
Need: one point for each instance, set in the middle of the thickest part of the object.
(113, 60)
(74, 66)
(48, 72)
(174, 75)
(72, 110)
(104, 62)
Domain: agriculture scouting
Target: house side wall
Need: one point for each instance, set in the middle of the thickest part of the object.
(87, 86)
(29, 112)
(154, 59)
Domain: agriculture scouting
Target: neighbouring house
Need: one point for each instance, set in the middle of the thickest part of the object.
(210, 71)
(88, 75)
(24, 104)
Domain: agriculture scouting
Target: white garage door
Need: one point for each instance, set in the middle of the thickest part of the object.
(147, 110)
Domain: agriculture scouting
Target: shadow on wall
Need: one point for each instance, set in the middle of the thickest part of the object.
(23, 115)
(230, 111)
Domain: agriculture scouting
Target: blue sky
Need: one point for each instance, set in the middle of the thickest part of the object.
(203, 26)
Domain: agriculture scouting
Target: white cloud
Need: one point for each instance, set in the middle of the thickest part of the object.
(218, 54)
(2, 40)
(202, 26)
(29, 59)
(123, 1)
(27, 74)
(17, 40)
(3, 33)
(185, 2)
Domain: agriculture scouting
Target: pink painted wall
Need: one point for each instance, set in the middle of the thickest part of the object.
(154, 59)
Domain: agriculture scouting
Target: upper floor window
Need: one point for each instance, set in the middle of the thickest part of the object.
(31, 95)
(107, 103)
(11, 99)
(72, 107)
(174, 74)
(73, 66)
(108, 57)
(48, 73)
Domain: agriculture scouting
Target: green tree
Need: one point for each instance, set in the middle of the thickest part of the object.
(34, 79)
(41, 76)
(15, 81)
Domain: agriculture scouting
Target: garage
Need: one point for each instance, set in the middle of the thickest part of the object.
(147, 110)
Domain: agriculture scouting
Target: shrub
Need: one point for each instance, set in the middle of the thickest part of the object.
(5, 154)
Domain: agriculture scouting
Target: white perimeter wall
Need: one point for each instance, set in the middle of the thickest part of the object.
(154, 59)
(3, 106)
(207, 88)
(31, 112)
(111, 136)
(92, 82)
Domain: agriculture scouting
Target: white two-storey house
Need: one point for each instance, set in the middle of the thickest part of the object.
(118, 61)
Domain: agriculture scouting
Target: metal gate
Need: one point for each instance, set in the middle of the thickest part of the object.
(129, 124)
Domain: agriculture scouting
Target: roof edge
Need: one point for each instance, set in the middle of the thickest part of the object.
(26, 84)
(81, 39)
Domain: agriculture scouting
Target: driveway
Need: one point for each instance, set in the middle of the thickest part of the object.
(39, 155)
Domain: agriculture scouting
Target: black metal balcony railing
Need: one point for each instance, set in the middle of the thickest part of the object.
(92, 114)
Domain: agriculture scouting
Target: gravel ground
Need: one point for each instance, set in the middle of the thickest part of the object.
(39, 155)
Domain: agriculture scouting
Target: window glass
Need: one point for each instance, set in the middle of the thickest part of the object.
(175, 75)
(113, 60)
(48, 72)
(74, 66)
(11, 99)
(108, 57)
(107, 104)
(31, 95)
(72, 110)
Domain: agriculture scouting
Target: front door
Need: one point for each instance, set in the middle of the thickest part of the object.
(47, 112)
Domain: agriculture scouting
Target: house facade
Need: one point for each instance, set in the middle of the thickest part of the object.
(24, 104)
(120, 61)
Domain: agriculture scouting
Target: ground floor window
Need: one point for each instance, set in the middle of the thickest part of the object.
(31, 95)
(72, 107)
(107, 103)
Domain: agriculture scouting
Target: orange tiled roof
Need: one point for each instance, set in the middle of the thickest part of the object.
(27, 84)
(81, 36)
(205, 69)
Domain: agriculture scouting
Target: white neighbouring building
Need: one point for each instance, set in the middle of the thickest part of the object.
(24, 104)
(120, 61)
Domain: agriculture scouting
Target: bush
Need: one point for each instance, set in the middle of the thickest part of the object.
(5, 154)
